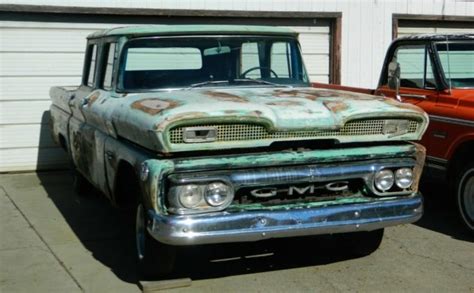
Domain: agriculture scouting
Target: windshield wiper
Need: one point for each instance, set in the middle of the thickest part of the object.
(234, 81)
(204, 83)
(259, 81)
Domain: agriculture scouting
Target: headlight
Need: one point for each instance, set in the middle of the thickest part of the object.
(217, 193)
(404, 178)
(384, 180)
(189, 195)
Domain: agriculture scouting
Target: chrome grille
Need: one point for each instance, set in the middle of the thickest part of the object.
(242, 131)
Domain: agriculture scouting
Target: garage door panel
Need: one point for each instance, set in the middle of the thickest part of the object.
(314, 43)
(319, 78)
(25, 136)
(404, 31)
(35, 40)
(42, 25)
(310, 29)
(22, 112)
(32, 88)
(454, 30)
(41, 64)
(317, 64)
(29, 159)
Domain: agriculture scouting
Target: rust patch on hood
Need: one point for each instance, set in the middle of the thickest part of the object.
(92, 99)
(317, 93)
(222, 96)
(154, 106)
(188, 115)
(335, 106)
(287, 103)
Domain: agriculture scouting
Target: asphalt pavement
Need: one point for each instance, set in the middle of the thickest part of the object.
(51, 240)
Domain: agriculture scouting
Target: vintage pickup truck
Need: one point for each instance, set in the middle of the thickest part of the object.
(214, 134)
(436, 73)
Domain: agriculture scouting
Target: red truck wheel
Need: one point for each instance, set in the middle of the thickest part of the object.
(154, 259)
(465, 195)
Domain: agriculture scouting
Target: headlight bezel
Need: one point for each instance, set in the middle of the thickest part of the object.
(175, 205)
(395, 188)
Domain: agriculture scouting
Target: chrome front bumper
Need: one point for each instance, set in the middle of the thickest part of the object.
(224, 227)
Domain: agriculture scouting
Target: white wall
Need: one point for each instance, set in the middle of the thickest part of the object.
(366, 25)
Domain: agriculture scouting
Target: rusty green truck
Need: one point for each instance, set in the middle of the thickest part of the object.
(214, 134)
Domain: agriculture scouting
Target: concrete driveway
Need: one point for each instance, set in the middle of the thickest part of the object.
(54, 241)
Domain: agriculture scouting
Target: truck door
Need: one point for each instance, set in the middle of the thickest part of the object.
(418, 82)
(86, 149)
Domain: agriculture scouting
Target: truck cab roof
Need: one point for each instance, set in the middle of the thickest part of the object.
(165, 30)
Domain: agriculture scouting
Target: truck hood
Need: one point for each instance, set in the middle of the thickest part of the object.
(277, 109)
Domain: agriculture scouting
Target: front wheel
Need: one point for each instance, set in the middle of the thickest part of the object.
(465, 195)
(155, 259)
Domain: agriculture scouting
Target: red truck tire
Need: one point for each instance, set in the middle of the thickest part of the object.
(465, 195)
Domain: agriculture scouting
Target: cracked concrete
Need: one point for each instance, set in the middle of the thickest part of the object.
(53, 241)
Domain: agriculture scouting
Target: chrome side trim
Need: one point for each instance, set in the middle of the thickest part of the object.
(259, 225)
(421, 97)
(437, 160)
(452, 120)
(436, 163)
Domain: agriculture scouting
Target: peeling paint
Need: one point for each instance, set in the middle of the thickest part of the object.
(222, 96)
(92, 98)
(154, 106)
(183, 116)
(335, 106)
(287, 103)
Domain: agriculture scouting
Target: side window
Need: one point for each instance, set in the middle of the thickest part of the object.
(92, 51)
(416, 70)
(109, 65)
(280, 59)
(250, 59)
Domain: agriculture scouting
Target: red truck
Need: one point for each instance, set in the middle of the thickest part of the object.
(436, 73)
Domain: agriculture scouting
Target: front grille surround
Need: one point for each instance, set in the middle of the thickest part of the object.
(250, 131)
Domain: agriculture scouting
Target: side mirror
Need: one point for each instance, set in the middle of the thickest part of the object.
(393, 74)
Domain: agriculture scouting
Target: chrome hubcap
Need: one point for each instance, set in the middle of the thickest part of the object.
(140, 232)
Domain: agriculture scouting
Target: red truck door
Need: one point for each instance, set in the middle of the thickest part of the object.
(418, 84)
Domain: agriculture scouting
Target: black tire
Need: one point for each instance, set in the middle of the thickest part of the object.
(464, 191)
(154, 259)
(361, 243)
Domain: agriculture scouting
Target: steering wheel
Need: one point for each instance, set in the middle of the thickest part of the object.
(255, 68)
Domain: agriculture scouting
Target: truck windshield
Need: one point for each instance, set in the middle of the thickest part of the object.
(189, 62)
(457, 60)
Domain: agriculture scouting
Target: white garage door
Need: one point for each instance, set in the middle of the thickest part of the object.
(439, 29)
(37, 55)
